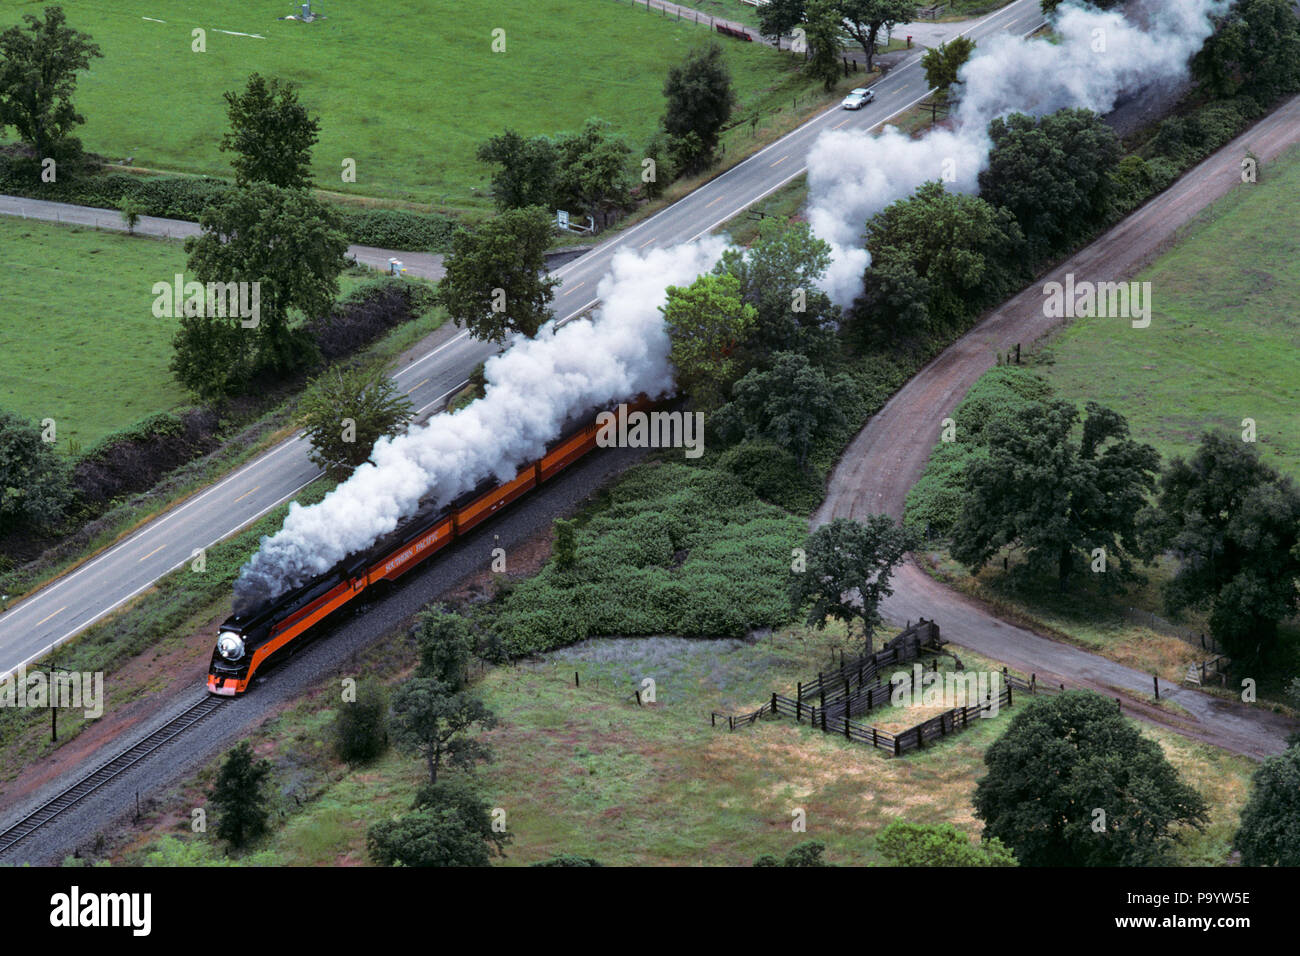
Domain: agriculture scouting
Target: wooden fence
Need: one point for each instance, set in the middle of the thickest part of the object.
(857, 687)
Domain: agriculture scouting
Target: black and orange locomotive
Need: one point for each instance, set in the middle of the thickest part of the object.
(248, 643)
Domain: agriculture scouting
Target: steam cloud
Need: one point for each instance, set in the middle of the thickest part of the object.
(532, 389)
(1099, 55)
(538, 384)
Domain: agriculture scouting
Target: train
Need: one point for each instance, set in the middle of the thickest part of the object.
(247, 644)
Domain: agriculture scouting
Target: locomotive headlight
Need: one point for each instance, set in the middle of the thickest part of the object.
(230, 646)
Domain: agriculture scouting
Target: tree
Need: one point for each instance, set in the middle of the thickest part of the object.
(525, 174)
(706, 320)
(430, 719)
(824, 36)
(359, 732)
(700, 100)
(1255, 51)
(565, 547)
(790, 404)
(1052, 173)
(780, 275)
(808, 853)
(938, 844)
(778, 18)
(38, 75)
(894, 305)
(1270, 823)
(451, 826)
(864, 19)
(960, 245)
(1233, 522)
(345, 411)
(849, 564)
(289, 248)
(495, 283)
(1041, 490)
(1072, 783)
(131, 211)
(593, 171)
(657, 178)
(238, 796)
(943, 62)
(446, 645)
(270, 134)
(34, 486)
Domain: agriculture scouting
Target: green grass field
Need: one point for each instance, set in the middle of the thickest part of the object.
(406, 88)
(1225, 329)
(586, 771)
(78, 339)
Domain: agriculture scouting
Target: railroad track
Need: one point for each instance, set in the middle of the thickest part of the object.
(108, 771)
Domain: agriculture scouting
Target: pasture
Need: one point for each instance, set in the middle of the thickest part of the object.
(78, 339)
(1224, 339)
(406, 88)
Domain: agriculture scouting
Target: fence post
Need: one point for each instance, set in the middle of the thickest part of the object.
(576, 682)
(1156, 679)
(1119, 705)
(897, 752)
(1008, 695)
(713, 719)
(823, 720)
(798, 694)
(732, 721)
(773, 702)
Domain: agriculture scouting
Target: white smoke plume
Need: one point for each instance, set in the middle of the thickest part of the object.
(1096, 56)
(532, 389)
(535, 386)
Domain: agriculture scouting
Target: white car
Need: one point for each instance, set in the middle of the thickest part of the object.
(857, 99)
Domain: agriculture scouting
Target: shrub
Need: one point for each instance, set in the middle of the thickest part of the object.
(773, 475)
(359, 731)
(678, 550)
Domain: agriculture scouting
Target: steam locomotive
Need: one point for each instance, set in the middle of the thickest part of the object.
(249, 643)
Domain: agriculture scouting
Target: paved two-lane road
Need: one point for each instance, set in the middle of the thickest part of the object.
(64, 608)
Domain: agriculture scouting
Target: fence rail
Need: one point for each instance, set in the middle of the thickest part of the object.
(830, 701)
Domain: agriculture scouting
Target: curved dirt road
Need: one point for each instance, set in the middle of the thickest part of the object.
(889, 455)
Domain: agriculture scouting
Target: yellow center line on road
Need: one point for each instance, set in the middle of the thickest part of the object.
(779, 161)
(715, 202)
(44, 619)
(153, 552)
(246, 494)
(575, 288)
(413, 387)
(646, 243)
(839, 124)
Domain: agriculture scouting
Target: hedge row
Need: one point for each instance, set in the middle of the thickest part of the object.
(179, 197)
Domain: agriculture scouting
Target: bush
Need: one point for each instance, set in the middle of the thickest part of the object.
(678, 550)
(773, 475)
(133, 459)
(359, 731)
(365, 314)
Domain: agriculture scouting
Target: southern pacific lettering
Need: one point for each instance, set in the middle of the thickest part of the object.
(248, 643)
